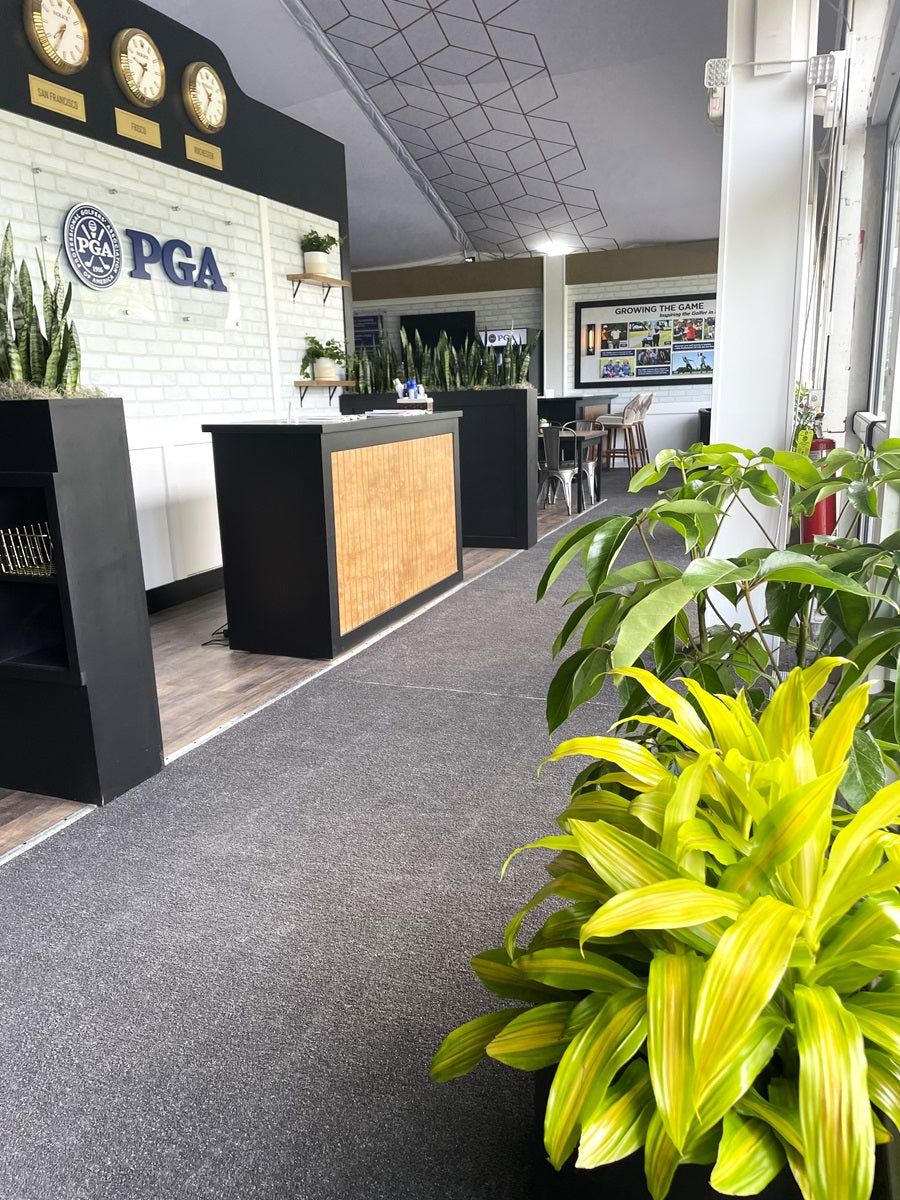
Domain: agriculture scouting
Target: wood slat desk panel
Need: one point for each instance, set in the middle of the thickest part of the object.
(394, 523)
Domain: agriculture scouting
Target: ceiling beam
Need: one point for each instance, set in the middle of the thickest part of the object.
(307, 22)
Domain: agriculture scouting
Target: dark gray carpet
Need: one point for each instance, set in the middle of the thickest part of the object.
(228, 984)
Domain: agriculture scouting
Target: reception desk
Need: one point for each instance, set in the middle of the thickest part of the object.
(331, 531)
(498, 460)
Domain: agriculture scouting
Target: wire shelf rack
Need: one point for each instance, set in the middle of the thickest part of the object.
(27, 550)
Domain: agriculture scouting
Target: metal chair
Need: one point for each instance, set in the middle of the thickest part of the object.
(554, 472)
(588, 458)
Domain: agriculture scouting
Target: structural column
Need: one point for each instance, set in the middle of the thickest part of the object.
(556, 324)
(764, 236)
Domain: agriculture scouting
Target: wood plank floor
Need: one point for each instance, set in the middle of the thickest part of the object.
(202, 685)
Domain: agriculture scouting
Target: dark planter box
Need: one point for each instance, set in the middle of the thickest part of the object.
(498, 469)
(624, 1180)
(77, 686)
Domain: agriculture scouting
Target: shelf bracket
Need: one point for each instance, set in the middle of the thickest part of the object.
(331, 390)
(324, 281)
(326, 288)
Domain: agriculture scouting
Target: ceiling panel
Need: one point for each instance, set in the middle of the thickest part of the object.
(580, 123)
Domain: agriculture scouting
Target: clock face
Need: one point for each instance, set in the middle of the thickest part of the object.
(204, 97)
(138, 67)
(58, 34)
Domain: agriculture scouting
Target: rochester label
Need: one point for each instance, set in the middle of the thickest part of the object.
(202, 152)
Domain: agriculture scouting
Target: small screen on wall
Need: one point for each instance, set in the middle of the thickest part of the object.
(367, 331)
(458, 325)
(669, 338)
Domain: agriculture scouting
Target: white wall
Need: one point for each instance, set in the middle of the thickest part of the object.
(179, 356)
(519, 309)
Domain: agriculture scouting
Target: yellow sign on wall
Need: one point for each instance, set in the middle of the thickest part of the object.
(139, 129)
(57, 99)
(202, 152)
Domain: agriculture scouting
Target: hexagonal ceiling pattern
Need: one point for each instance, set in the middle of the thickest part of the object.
(468, 92)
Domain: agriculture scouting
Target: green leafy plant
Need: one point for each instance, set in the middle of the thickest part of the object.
(44, 353)
(807, 418)
(375, 371)
(834, 596)
(316, 349)
(721, 983)
(324, 242)
(447, 366)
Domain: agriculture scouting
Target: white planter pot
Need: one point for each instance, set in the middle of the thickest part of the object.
(315, 262)
(324, 368)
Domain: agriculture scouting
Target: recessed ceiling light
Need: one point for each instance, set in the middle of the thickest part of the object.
(551, 248)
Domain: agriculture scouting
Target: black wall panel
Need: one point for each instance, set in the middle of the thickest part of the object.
(263, 151)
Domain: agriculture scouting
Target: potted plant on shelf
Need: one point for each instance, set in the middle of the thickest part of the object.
(323, 358)
(721, 985)
(316, 248)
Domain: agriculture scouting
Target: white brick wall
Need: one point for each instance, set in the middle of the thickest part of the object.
(179, 356)
(522, 309)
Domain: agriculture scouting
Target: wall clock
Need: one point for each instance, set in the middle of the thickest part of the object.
(138, 67)
(58, 34)
(204, 97)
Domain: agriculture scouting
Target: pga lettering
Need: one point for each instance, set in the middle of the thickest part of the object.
(176, 259)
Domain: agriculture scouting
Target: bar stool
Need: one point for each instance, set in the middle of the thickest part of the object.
(640, 428)
(633, 449)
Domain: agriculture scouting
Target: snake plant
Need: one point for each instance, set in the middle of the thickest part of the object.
(47, 355)
(723, 983)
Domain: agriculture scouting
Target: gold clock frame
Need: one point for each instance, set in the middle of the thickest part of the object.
(122, 69)
(189, 96)
(40, 43)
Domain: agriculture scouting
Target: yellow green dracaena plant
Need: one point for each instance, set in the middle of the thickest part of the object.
(723, 985)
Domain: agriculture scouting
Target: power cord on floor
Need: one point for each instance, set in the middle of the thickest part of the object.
(219, 637)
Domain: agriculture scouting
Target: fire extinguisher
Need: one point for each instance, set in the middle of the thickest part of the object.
(823, 517)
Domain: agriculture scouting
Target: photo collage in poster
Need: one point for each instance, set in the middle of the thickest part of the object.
(668, 338)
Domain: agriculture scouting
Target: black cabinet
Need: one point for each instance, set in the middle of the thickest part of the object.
(77, 688)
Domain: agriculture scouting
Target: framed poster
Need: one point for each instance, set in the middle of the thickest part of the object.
(650, 340)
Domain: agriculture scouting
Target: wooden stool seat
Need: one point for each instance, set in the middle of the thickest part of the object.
(633, 449)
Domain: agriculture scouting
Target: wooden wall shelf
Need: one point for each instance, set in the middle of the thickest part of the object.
(331, 384)
(325, 281)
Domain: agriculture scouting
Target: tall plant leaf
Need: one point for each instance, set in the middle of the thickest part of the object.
(588, 1066)
(749, 1158)
(835, 1118)
(618, 1126)
(740, 979)
(465, 1047)
(672, 990)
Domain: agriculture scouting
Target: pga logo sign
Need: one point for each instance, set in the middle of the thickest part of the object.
(94, 250)
(92, 246)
